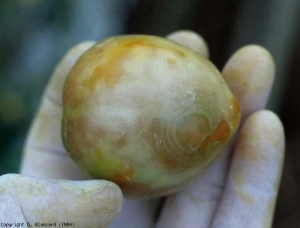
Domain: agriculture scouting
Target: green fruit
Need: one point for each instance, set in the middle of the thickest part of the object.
(146, 113)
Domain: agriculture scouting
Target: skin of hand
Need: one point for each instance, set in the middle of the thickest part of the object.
(238, 190)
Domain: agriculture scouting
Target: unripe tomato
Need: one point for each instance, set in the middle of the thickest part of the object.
(146, 113)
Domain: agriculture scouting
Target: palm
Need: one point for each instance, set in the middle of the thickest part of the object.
(230, 193)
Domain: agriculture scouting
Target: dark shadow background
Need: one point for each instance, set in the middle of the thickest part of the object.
(35, 34)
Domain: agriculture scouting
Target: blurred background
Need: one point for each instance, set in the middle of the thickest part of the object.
(35, 34)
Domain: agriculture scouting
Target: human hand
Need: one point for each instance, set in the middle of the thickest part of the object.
(249, 74)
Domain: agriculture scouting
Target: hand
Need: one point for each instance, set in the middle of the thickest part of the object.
(233, 191)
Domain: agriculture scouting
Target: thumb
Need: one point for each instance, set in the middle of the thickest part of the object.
(92, 203)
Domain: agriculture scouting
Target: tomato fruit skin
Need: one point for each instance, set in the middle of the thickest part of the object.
(146, 113)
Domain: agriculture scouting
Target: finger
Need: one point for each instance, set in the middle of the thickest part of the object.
(44, 154)
(201, 198)
(191, 40)
(254, 177)
(249, 74)
(81, 203)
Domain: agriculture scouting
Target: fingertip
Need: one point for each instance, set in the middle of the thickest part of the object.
(249, 74)
(106, 203)
(267, 118)
(251, 58)
(268, 126)
(191, 40)
(95, 202)
(256, 49)
(260, 149)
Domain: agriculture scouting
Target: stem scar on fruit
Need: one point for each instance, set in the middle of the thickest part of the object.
(146, 113)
